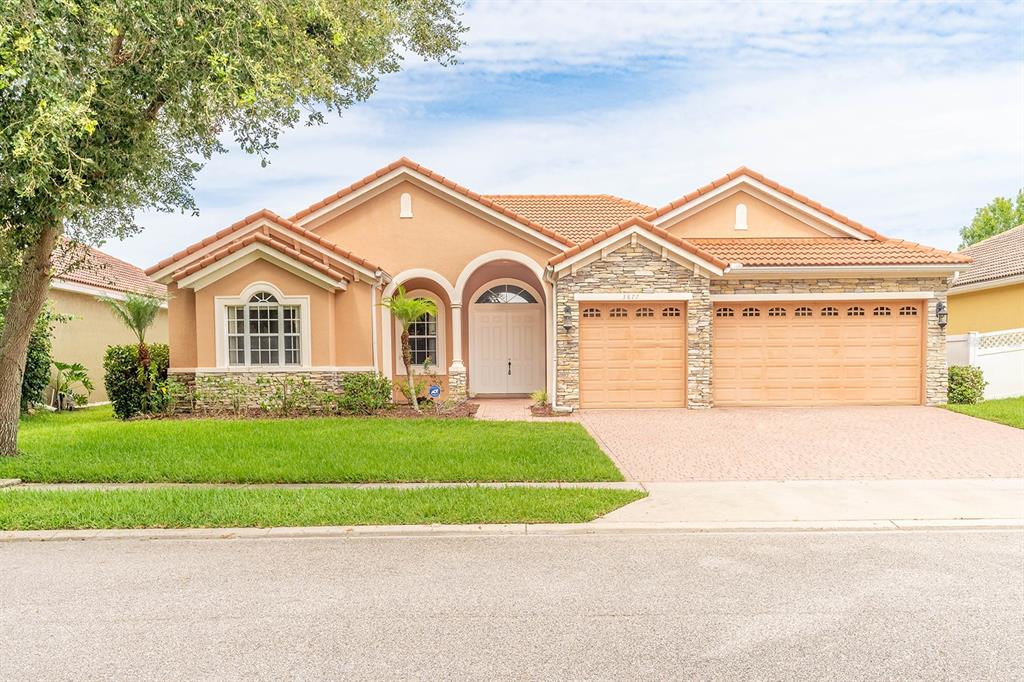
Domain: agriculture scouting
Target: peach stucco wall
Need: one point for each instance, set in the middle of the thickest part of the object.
(440, 236)
(340, 322)
(763, 221)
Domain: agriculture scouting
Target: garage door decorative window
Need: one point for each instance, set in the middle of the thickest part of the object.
(776, 312)
(591, 312)
(882, 311)
(670, 312)
(645, 312)
(724, 312)
(855, 311)
(751, 312)
(908, 311)
(803, 311)
(830, 311)
(617, 312)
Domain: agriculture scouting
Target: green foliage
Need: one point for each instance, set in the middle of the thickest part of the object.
(40, 346)
(539, 397)
(112, 106)
(365, 393)
(966, 385)
(69, 374)
(1000, 215)
(125, 381)
(138, 312)
(408, 310)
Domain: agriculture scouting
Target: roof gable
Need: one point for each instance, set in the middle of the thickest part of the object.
(997, 258)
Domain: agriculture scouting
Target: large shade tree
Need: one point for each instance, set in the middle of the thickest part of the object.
(112, 106)
(999, 215)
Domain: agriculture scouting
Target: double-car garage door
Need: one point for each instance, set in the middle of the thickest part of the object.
(830, 353)
(633, 354)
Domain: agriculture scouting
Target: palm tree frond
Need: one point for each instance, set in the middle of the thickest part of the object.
(136, 311)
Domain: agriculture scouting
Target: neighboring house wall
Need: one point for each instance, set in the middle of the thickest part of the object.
(636, 269)
(92, 328)
(987, 310)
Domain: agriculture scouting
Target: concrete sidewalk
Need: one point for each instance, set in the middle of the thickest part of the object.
(767, 502)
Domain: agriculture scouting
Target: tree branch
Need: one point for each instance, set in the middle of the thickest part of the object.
(116, 45)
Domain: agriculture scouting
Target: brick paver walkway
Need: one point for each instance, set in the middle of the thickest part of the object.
(723, 444)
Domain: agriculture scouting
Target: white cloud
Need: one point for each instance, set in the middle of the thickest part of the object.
(895, 127)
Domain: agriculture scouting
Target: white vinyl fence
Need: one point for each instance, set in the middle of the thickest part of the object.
(1000, 355)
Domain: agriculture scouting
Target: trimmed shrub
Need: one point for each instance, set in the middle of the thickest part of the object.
(124, 380)
(966, 385)
(365, 393)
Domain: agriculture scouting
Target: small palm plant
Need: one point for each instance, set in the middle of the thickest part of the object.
(69, 374)
(138, 312)
(407, 311)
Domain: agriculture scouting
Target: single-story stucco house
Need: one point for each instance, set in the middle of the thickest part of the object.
(742, 292)
(81, 276)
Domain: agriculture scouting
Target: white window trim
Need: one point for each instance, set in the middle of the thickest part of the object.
(222, 303)
(680, 296)
(440, 362)
(845, 296)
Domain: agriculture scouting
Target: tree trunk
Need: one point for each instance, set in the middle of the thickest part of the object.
(407, 361)
(28, 295)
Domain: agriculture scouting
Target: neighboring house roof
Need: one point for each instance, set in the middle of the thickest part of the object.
(328, 247)
(409, 164)
(84, 265)
(998, 257)
(826, 251)
(575, 216)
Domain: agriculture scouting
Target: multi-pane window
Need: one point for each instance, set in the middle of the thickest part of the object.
(423, 339)
(908, 311)
(830, 311)
(645, 312)
(855, 311)
(776, 312)
(751, 312)
(671, 311)
(803, 311)
(724, 312)
(882, 311)
(591, 312)
(264, 332)
(506, 293)
(617, 312)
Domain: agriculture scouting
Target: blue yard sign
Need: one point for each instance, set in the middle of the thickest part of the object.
(435, 391)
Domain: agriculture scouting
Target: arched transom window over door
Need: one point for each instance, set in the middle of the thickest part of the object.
(262, 332)
(506, 293)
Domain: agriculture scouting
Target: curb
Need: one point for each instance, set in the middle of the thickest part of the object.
(514, 529)
(9, 482)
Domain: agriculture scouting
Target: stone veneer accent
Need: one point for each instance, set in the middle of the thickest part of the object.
(206, 384)
(936, 376)
(457, 384)
(635, 269)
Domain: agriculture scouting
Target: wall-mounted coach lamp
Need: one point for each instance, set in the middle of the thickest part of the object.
(567, 318)
(942, 314)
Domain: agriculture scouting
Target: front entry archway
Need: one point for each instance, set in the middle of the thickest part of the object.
(506, 344)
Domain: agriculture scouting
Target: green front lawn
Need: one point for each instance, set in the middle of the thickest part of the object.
(268, 507)
(1009, 411)
(91, 446)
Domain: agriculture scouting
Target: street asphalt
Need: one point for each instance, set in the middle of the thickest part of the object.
(733, 606)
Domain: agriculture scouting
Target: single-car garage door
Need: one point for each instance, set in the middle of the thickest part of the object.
(633, 354)
(830, 353)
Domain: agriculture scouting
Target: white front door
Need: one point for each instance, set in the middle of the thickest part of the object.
(506, 348)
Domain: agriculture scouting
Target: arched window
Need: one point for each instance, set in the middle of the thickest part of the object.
(724, 312)
(506, 293)
(803, 311)
(263, 332)
(908, 311)
(671, 311)
(776, 312)
(617, 312)
(591, 312)
(882, 311)
(751, 312)
(645, 312)
(855, 311)
(830, 311)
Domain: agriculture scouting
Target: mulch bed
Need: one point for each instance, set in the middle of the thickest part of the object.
(546, 411)
(463, 410)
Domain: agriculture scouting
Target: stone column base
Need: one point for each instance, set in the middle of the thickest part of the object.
(457, 386)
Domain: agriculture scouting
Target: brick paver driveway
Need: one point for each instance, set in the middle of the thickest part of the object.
(813, 443)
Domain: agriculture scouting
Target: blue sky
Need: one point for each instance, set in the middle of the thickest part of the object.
(905, 116)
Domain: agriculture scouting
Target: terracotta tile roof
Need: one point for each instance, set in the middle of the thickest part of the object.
(793, 194)
(827, 251)
(405, 162)
(85, 265)
(275, 241)
(248, 220)
(643, 224)
(574, 216)
(998, 257)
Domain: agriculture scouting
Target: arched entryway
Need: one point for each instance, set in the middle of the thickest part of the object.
(506, 338)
